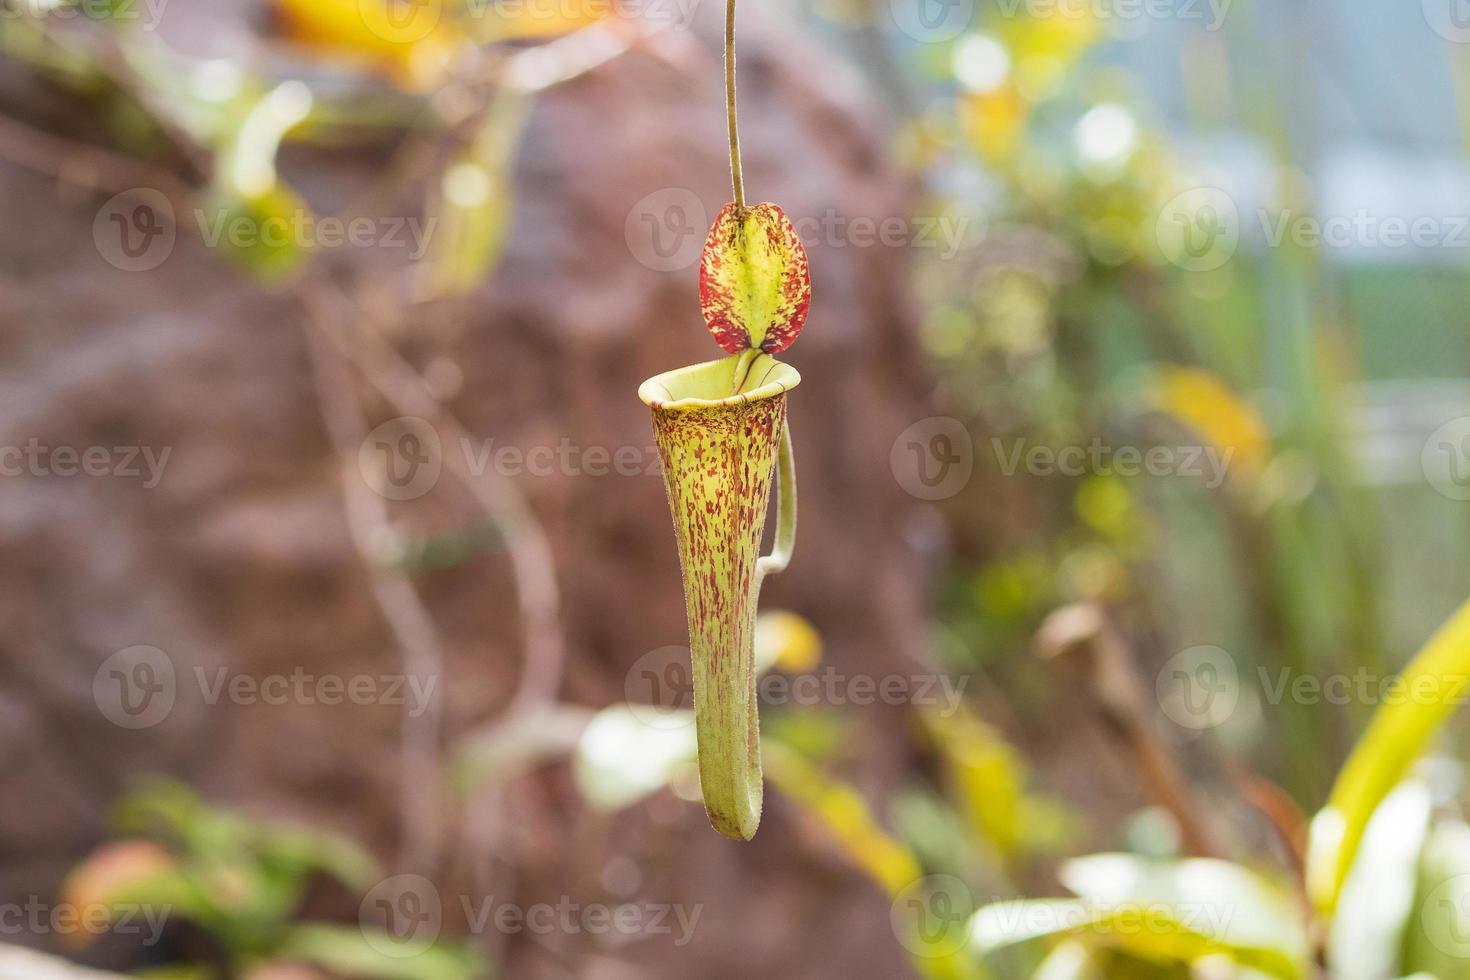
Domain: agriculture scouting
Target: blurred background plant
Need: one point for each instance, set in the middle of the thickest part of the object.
(1116, 200)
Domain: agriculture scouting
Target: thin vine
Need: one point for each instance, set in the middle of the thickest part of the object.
(737, 179)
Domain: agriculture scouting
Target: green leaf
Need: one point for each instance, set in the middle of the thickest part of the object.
(1179, 911)
(1226, 902)
(349, 951)
(1437, 941)
(299, 851)
(1434, 684)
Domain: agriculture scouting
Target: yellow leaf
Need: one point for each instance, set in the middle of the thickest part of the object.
(786, 641)
(1432, 686)
(1205, 404)
(410, 42)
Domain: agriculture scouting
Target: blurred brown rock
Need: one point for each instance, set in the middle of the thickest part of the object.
(239, 560)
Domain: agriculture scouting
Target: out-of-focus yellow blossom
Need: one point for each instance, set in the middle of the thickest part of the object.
(995, 121)
(1206, 404)
(411, 42)
(1039, 52)
(538, 19)
(1063, 34)
(1044, 48)
(786, 641)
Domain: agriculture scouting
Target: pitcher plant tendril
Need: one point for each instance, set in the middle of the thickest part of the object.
(722, 435)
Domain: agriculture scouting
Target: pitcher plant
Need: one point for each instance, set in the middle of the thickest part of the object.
(722, 434)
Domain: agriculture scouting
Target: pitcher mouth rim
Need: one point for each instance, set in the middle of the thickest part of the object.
(655, 392)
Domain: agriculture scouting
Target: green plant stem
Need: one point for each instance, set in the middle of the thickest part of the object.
(736, 178)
